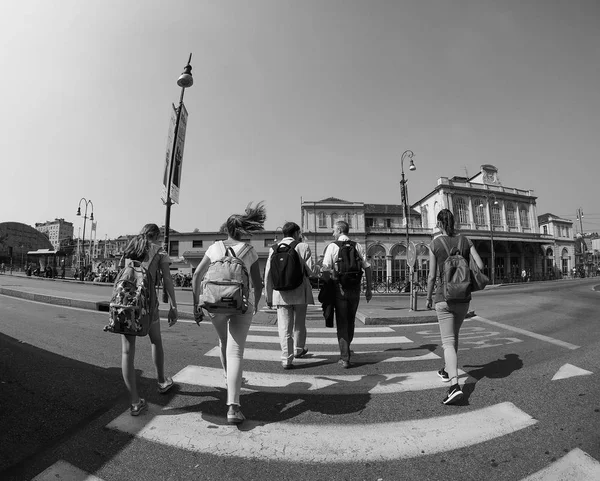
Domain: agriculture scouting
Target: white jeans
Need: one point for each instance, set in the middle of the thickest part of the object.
(291, 321)
(233, 331)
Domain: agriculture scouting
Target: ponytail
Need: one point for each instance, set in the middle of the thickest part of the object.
(137, 248)
(446, 219)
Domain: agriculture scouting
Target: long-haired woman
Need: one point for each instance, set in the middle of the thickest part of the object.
(233, 329)
(450, 314)
(145, 248)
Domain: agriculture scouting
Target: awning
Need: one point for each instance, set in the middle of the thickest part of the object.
(42, 252)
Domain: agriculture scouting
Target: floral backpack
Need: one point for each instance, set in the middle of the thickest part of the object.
(132, 300)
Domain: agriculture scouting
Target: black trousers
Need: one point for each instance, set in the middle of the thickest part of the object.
(346, 305)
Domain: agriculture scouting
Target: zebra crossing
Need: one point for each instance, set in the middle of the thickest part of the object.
(180, 426)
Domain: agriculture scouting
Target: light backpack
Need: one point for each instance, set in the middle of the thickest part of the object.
(286, 270)
(225, 287)
(456, 274)
(132, 300)
(348, 265)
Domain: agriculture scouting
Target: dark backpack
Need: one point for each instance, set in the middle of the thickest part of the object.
(287, 270)
(348, 265)
(132, 300)
(456, 274)
(225, 287)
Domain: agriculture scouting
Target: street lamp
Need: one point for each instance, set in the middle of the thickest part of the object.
(493, 273)
(407, 154)
(85, 217)
(185, 81)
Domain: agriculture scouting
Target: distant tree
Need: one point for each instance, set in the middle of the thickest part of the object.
(196, 230)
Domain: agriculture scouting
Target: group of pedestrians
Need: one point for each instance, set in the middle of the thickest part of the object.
(291, 304)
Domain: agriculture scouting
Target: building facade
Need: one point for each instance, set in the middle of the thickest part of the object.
(501, 221)
(57, 230)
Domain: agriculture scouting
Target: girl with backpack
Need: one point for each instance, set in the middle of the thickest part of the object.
(450, 314)
(146, 249)
(232, 329)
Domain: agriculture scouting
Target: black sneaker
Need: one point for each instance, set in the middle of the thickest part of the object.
(454, 395)
(444, 375)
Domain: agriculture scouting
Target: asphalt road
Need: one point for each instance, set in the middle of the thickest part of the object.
(63, 401)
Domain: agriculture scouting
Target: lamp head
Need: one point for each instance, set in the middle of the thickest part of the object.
(92, 216)
(78, 210)
(186, 80)
(412, 165)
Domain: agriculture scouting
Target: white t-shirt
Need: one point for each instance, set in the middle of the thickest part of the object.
(216, 251)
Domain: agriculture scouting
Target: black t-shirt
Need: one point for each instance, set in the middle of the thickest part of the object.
(461, 242)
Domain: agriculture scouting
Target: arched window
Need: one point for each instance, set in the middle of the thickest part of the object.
(496, 217)
(524, 216)
(460, 208)
(478, 205)
(376, 255)
(322, 220)
(399, 266)
(511, 217)
(424, 216)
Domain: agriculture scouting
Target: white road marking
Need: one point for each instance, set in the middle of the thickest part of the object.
(294, 383)
(63, 471)
(325, 330)
(322, 356)
(576, 464)
(329, 443)
(541, 337)
(333, 340)
(568, 370)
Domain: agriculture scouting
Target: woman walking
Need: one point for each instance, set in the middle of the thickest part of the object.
(450, 314)
(145, 248)
(232, 329)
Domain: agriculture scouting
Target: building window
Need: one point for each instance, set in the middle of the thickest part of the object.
(545, 228)
(369, 221)
(174, 248)
(496, 217)
(348, 219)
(460, 206)
(424, 217)
(511, 218)
(269, 242)
(388, 223)
(333, 219)
(196, 244)
(524, 217)
(322, 220)
(479, 211)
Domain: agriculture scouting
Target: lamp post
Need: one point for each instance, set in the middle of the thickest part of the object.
(185, 80)
(407, 154)
(85, 217)
(493, 269)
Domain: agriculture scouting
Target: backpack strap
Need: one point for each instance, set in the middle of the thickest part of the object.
(444, 242)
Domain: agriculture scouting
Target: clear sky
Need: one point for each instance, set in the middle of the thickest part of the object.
(293, 100)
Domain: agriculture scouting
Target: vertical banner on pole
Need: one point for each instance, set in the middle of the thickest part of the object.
(170, 136)
(178, 157)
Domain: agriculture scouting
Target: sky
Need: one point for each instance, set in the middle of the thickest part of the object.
(292, 101)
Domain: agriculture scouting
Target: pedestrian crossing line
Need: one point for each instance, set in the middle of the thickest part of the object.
(329, 443)
(326, 330)
(295, 383)
(576, 464)
(333, 340)
(63, 471)
(322, 356)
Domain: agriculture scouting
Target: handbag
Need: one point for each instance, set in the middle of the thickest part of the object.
(478, 279)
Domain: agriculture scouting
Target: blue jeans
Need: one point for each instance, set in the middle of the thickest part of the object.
(346, 305)
(450, 318)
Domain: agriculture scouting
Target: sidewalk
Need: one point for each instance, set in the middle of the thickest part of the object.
(383, 309)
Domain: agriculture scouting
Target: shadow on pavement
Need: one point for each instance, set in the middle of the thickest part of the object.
(45, 399)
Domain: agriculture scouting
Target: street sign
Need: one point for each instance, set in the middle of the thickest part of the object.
(412, 254)
(177, 158)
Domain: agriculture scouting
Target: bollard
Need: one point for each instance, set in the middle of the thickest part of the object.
(413, 300)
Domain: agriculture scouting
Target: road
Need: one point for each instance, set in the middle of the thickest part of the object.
(532, 403)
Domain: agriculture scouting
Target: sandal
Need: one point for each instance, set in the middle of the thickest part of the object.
(138, 408)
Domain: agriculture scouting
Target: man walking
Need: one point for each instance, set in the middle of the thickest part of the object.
(345, 261)
(288, 288)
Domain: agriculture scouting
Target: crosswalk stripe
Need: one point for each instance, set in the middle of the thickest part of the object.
(326, 330)
(576, 464)
(321, 356)
(294, 383)
(333, 340)
(329, 443)
(63, 471)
